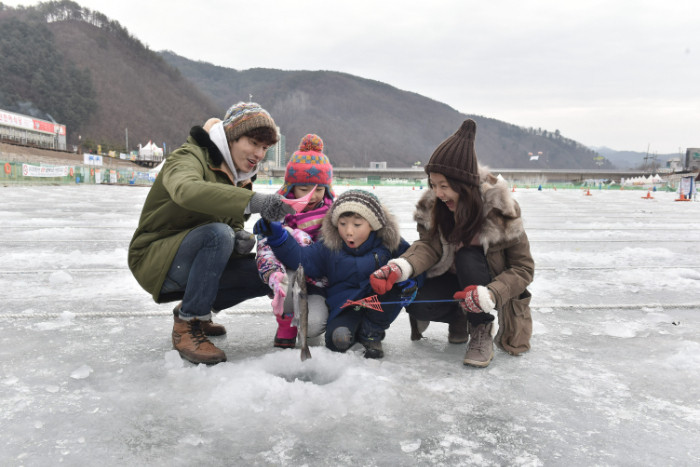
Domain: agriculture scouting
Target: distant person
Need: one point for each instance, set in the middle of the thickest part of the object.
(358, 234)
(474, 248)
(308, 169)
(190, 244)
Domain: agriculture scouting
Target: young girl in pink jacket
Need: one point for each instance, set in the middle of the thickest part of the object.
(308, 169)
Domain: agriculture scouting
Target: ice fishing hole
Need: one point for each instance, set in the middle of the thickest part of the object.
(307, 375)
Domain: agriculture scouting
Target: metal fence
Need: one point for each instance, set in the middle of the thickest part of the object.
(24, 173)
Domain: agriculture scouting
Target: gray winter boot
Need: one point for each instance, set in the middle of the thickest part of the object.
(480, 348)
(373, 348)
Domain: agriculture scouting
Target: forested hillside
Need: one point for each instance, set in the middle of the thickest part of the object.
(37, 78)
(76, 66)
(362, 120)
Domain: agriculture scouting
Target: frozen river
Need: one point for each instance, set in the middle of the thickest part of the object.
(88, 376)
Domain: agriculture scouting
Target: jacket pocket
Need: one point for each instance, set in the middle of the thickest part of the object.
(517, 325)
(521, 305)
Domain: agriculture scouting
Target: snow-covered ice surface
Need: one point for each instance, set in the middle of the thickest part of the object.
(88, 376)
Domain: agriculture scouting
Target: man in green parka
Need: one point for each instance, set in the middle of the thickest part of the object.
(190, 244)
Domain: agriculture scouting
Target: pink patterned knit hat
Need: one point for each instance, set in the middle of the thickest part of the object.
(309, 166)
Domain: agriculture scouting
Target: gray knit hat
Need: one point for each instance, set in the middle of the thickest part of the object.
(361, 202)
(456, 157)
(243, 117)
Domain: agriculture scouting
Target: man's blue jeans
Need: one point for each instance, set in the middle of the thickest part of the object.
(205, 275)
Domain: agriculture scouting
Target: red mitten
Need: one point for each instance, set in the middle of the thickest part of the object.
(383, 279)
(475, 299)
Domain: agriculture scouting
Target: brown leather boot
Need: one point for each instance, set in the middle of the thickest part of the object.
(457, 331)
(480, 348)
(210, 328)
(193, 345)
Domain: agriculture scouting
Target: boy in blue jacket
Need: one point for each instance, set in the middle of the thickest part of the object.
(358, 236)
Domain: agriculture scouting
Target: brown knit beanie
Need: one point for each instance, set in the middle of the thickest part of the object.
(455, 157)
(243, 117)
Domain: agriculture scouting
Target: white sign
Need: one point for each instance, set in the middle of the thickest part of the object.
(36, 171)
(11, 119)
(29, 123)
(686, 186)
(92, 159)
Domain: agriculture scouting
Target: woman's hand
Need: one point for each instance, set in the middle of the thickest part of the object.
(475, 299)
(384, 278)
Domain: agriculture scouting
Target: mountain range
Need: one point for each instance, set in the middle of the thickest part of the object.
(84, 70)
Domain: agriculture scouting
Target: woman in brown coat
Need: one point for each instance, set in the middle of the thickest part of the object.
(473, 248)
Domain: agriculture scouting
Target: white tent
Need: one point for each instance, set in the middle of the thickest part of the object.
(150, 150)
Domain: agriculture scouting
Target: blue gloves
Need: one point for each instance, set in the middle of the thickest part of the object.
(275, 233)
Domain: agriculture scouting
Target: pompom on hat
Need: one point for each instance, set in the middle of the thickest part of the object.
(243, 117)
(309, 166)
(455, 157)
(361, 202)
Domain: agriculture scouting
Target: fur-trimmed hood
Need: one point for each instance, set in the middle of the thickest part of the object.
(390, 234)
(201, 137)
(502, 224)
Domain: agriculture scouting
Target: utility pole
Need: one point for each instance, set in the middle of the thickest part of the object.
(127, 140)
(646, 158)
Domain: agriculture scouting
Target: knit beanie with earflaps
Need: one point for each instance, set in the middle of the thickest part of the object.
(309, 166)
(360, 202)
(455, 157)
(243, 117)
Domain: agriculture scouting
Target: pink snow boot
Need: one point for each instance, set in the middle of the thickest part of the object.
(286, 336)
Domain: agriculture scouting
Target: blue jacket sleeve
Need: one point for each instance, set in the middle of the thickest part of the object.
(313, 257)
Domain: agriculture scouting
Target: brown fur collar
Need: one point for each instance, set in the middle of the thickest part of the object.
(503, 223)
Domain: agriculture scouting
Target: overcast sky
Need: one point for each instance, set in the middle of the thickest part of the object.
(621, 74)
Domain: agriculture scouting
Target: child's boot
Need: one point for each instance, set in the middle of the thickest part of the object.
(371, 336)
(286, 335)
(373, 348)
